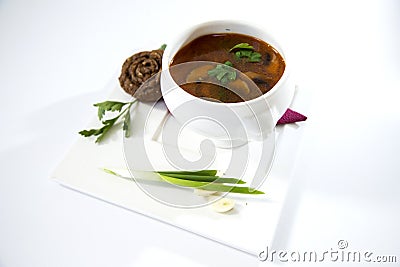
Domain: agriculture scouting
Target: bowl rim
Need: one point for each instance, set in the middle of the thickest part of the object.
(166, 60)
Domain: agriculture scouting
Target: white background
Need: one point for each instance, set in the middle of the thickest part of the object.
(55, 58)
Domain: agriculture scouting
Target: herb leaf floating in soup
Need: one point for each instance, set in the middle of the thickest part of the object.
(241, 46)
(223, 72)
(246, 50)
(252, 58)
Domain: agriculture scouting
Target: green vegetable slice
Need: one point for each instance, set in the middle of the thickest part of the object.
(204, 178)
(211, 187)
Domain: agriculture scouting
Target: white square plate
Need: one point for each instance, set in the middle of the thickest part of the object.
(249, 227)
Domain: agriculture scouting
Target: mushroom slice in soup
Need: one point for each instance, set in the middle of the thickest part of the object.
(239, 87)
(258, 77)
(199, 74)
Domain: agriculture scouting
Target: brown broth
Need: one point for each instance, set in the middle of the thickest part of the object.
(215, 48)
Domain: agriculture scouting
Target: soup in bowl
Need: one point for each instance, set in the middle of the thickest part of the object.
(227, 80)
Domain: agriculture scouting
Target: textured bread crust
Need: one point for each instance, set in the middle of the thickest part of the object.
(140, 75)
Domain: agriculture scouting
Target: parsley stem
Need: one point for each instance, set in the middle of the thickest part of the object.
(127, 108)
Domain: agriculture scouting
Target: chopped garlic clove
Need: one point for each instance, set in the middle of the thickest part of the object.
(223, 205)
(204, 193)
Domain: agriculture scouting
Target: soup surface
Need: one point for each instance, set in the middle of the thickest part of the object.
(249, 67)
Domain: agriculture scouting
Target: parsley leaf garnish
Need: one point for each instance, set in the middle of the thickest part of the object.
(108, 124)
(255, 57)
(242, 46)
(223, 72)
(228, 63)
(108, 106)
(247, 51)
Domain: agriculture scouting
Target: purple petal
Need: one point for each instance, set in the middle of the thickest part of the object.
(291, 116)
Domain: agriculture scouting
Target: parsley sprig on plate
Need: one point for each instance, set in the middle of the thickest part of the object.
(122, 107)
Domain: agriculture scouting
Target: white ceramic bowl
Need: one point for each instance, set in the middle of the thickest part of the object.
(233, 122)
